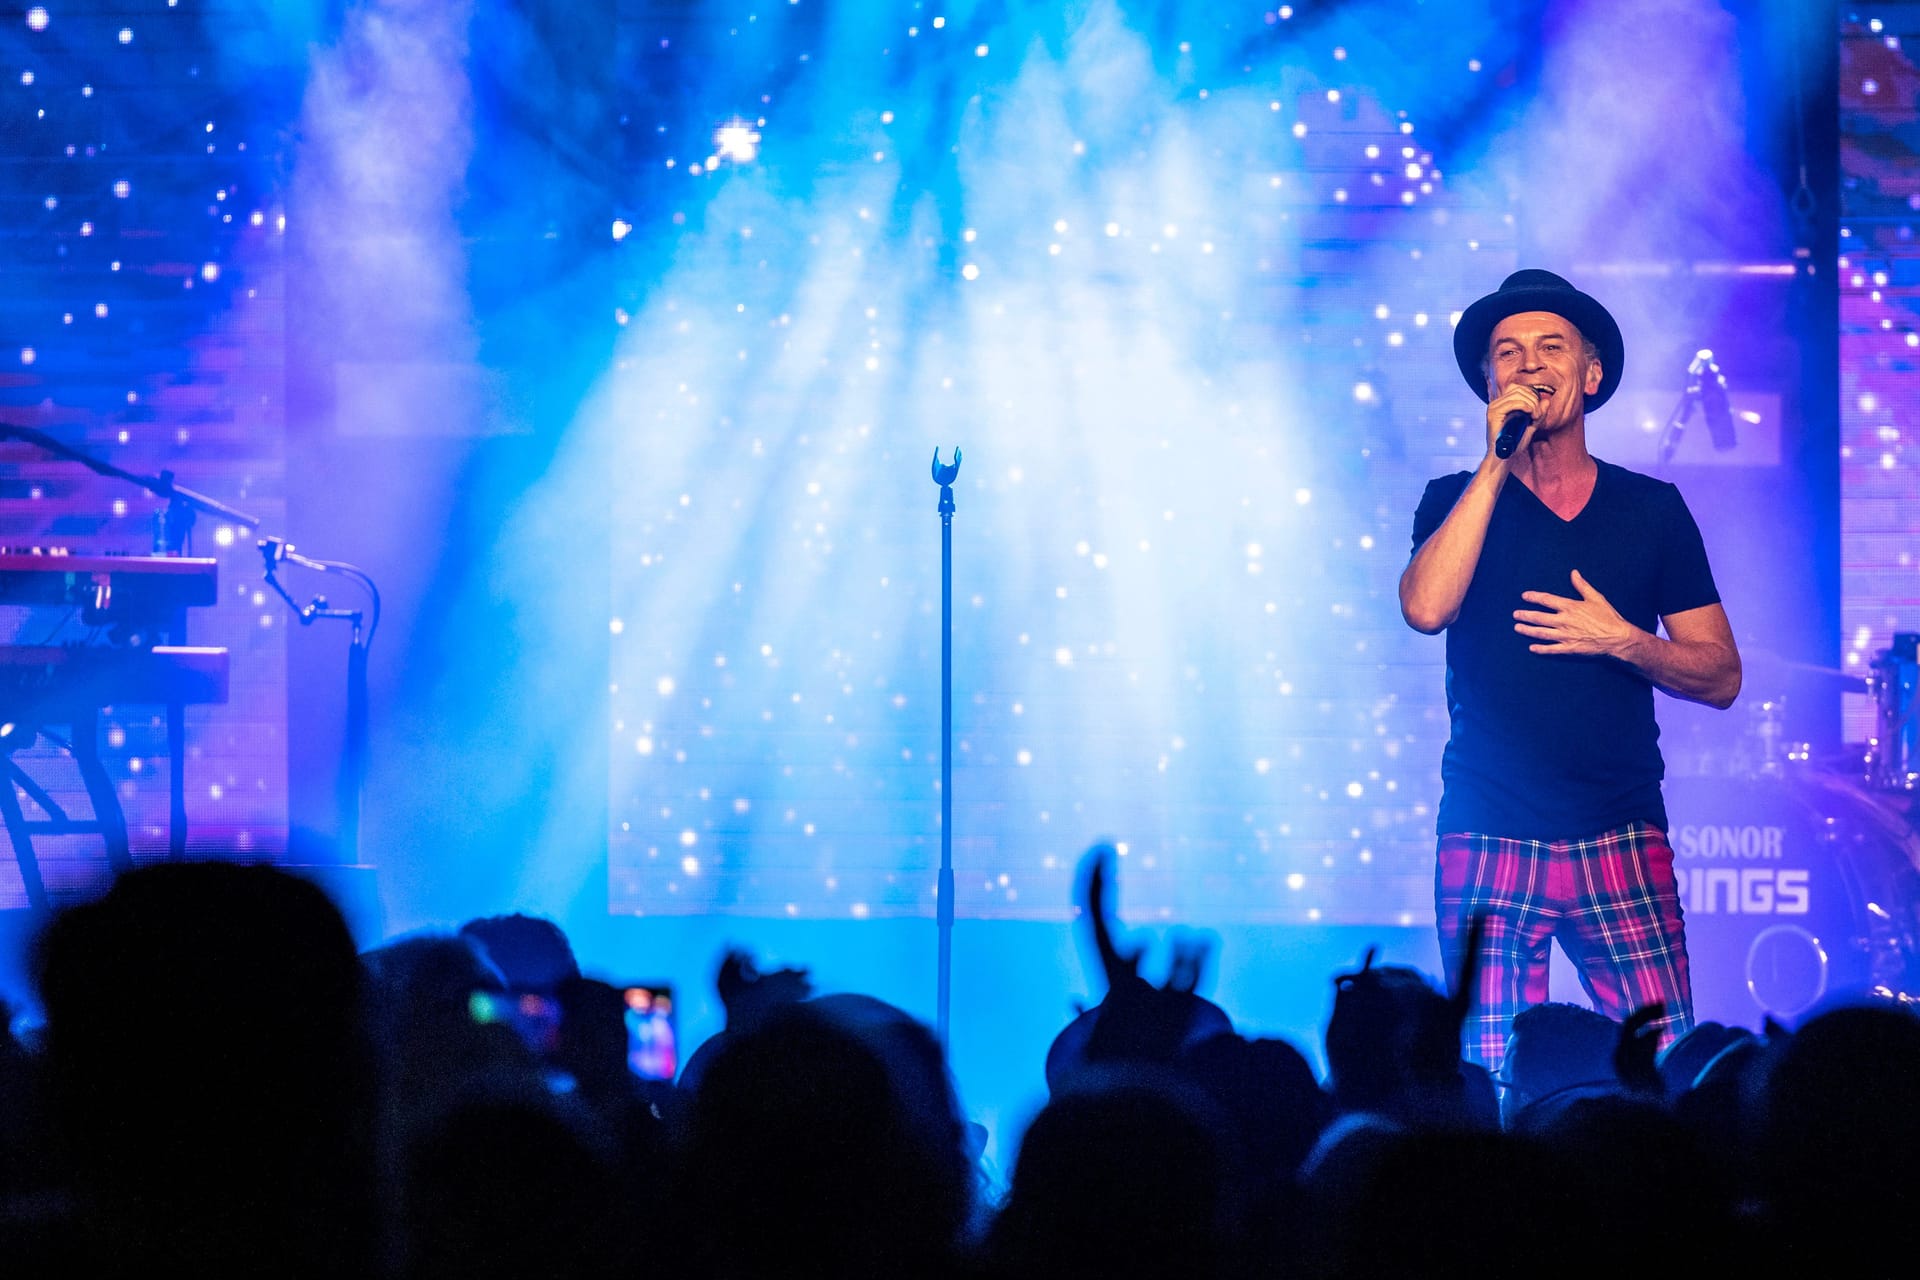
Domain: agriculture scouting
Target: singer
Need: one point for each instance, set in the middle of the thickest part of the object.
(1551, 573)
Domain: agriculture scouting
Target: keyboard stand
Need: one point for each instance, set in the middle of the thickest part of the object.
(176, 783)
(109, 821)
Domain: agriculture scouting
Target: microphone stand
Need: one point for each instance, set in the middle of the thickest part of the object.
(275, 552)
(1689, 402)
(943, 1001)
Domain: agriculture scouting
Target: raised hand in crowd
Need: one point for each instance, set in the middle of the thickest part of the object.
(1135, 1021)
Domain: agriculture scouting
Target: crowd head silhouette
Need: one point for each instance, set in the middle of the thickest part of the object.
(224, 1087)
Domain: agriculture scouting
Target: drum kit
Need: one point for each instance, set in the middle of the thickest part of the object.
(1800, 877)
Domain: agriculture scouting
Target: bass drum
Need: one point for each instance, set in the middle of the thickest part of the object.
(1793, 889)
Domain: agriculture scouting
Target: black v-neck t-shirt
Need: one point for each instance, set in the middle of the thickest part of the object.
(1557, 746)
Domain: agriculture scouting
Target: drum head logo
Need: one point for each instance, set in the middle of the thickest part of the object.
(1724, 879)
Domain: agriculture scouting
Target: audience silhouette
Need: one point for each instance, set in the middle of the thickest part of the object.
(223, 1088)
(208, 1080)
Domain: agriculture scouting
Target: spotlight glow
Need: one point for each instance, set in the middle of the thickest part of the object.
(736, 140)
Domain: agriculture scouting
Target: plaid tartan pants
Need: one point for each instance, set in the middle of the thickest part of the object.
(1610, 899)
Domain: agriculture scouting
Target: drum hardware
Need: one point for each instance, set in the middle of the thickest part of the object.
(1893, 753)
(1768, 725)
(1799, 869)
(1760, 745)
(1787, 970)
(1796, 887)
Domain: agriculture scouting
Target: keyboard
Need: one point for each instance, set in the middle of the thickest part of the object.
(35, 679)
(132, 590)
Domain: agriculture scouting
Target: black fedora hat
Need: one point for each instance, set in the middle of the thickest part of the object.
(1536, 290)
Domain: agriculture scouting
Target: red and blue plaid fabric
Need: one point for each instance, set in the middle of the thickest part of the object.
(1610, 899)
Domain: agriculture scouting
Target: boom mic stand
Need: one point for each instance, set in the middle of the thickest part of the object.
(173, 526)
(1706, 392)
(275, 552)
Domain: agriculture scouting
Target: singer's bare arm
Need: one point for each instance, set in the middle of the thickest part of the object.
(1435, 582)
(1697, 660)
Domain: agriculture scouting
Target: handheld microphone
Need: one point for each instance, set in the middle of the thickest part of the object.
(1518, 420)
